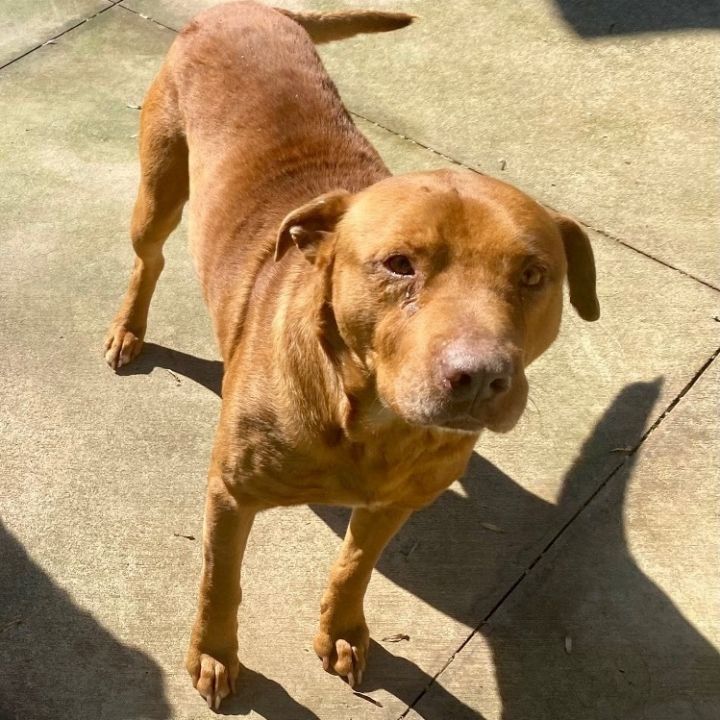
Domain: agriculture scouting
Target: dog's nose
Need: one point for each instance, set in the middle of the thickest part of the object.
(476, 374)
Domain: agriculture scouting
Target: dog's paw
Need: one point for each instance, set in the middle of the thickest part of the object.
(344, 651)
(122, 346)
(213, 679)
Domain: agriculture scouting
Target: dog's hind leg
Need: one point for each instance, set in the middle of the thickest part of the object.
(163, 191)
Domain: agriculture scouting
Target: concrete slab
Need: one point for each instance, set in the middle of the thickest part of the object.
(25, 25)
(619, 130)
(103, 476)
(621, 619)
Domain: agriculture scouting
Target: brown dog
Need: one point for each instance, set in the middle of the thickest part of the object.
(370, 326)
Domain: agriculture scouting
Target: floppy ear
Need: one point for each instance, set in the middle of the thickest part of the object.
(581, 267)
(309, 224)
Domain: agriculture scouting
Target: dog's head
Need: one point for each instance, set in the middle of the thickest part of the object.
(445, 286)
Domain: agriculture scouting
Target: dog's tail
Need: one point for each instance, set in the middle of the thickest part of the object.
(325, 27)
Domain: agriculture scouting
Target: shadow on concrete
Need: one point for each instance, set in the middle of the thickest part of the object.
(596, 18)
(629, 637)
(208, 373)
(267, 698)
(57, 662)
(404, 679)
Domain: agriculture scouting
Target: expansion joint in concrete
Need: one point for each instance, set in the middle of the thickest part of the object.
(53, 38)
(147, 17)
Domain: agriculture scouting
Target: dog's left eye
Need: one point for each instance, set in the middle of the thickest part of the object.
(533, 276)
(399, 265)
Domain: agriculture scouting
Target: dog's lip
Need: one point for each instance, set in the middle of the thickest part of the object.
(467, 423)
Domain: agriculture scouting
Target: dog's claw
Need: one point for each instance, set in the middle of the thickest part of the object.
(358, 666)
(343, 658)
(121, 347)
(213, 679)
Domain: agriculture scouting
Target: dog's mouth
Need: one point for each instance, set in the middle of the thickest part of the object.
(500, 416)
(466, 423)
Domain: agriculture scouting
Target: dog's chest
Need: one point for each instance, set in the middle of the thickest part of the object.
(408, 471)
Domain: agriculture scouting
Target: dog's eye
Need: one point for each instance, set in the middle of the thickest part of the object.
(533, 276)
(399, 265)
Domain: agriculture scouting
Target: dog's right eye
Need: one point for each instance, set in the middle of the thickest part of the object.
(399, 265)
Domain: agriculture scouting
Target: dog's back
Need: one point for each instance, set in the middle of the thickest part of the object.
(266, 130)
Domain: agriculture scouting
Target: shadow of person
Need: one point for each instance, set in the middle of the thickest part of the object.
(595, 18)
(462, 554)
(208, 373)
(57, 662)
(591, 636)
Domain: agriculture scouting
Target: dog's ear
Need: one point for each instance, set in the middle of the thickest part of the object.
(581, 267)
(308, 225)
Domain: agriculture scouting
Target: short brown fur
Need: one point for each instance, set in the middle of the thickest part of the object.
(340, 372)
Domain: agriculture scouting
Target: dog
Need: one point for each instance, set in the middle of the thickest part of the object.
(370, 325)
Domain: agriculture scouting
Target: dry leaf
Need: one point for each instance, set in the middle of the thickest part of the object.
(187, 537)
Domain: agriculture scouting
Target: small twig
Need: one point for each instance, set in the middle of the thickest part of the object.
(492, 526)
(175, 377)
(11, 624)
(187, 537)
(368, 698)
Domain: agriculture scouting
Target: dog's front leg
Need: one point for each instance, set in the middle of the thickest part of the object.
(343, 639)
(212, 659)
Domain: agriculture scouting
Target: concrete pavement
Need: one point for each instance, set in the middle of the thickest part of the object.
(571, 574)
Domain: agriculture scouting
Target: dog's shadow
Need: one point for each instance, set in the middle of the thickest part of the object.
(207, 373)
(463, 552)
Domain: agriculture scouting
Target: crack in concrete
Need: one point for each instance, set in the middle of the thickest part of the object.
(603, 484)
(50, 40)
